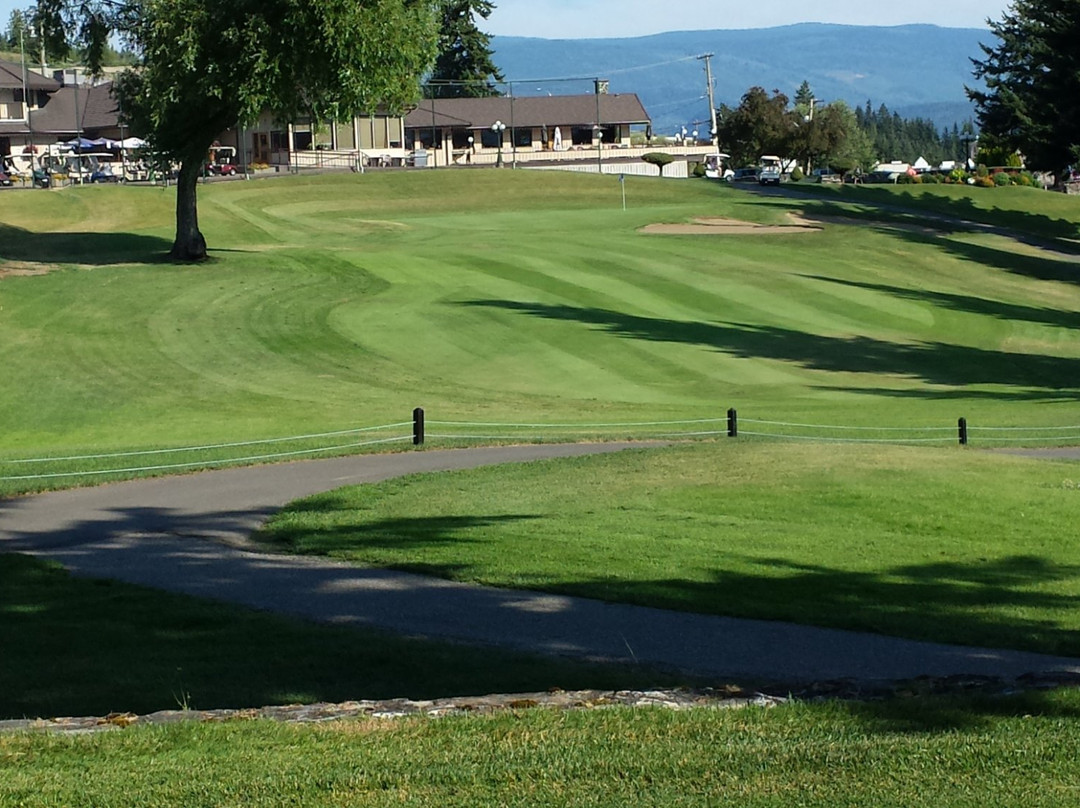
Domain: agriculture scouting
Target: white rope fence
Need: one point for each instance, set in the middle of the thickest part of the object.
(202, 462)
(91, 465)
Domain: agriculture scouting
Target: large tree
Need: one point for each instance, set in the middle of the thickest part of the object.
(464, 67)
(1032, 78)
(205, 66)
(761, 124)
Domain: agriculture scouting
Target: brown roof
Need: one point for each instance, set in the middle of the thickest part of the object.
(96, 106)
(528, 111)
(11, 77)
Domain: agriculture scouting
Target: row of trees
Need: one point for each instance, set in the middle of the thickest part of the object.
(833, 134)
(1028, 107)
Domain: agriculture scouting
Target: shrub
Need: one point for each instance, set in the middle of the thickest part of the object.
(931, 179)
(1002, 179)
(658, 159)
(1025, 179)
(983, 182)
(797, 174)
(982, 171)
(698, 170)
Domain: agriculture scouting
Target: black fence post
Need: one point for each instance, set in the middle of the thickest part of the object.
(732, 423)
(418, 426)
(962, 426)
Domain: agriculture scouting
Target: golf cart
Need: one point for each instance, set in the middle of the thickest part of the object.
(714, 167)
(222, 161)
(90, 167)
(771, 170)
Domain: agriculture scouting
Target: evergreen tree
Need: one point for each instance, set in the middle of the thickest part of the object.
(1032, 78)
(464, 66)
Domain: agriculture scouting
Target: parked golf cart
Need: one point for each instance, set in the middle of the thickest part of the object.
(135, 171)
(222, 161)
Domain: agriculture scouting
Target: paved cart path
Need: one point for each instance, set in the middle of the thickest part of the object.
(187, 534)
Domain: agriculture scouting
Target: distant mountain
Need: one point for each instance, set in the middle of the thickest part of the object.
(917, 70)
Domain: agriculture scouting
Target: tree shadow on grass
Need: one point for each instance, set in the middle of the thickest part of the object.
(1042, 268)
(75, 646)
(398, 534)
(975, 604)
(959, 710)
(85, 249)
(946, 213)
(93, 646)
(931, 362)
(967, 303)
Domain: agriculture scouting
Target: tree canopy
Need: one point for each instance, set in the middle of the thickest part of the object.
(205, 66)
(761, 124)
(1032, 78)
(464, 66)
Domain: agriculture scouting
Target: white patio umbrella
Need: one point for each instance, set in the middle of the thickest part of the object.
(558, 139)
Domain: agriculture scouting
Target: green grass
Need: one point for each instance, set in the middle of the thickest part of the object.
(947, 753)
(341, 301)
(938, 544)
(1051, 216)
(89, 647)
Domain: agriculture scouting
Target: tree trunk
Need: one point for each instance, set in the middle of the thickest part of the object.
(189, 244)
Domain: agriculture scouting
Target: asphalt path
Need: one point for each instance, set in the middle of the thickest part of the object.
(189, 535)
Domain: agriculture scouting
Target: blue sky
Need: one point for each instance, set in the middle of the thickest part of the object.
(574, 19)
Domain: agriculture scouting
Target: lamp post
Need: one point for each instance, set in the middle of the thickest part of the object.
(498, 128)
(472, 140)
(599, 149)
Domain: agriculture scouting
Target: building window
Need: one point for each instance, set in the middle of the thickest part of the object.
(461, 138)
(430, 139)
(490, 139)
(581, 135)
(523, 138)
(279, 141)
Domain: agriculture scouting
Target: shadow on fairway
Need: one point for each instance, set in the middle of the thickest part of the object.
(1039, 268)
(1023, 396)
(88, 249)
(931, 362)
(932, 211)
(968, 303)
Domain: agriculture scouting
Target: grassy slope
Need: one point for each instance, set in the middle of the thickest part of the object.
(1018, 752)
(936, 544)
(336, 301)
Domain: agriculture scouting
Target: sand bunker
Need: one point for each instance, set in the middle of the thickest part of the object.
(732, 227)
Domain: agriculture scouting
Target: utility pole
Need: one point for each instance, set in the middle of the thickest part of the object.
(26, 100)
(712, 104)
